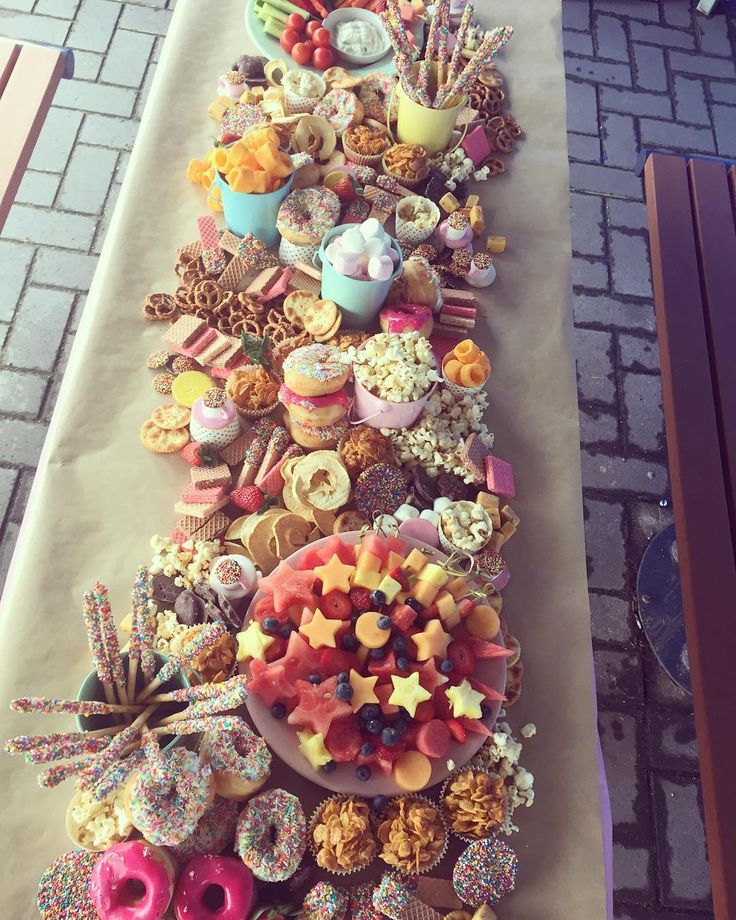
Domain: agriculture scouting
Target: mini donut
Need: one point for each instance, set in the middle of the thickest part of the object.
(271, 836)
(216, 829)
(315, 370)
(214, 886)
(407, 317)
(341, 108)
(315, 410)
(307, 214)
(168, 815)
(313, 437)
(132, 881)
(239, 759)
(341, 78)
(375, 93)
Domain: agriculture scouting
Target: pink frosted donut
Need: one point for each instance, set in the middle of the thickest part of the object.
(132, 881)
(407, 317)
(316, 437)
(315, 410)
(342, 108)
(214, 886)
(307, 214)
(375, 93)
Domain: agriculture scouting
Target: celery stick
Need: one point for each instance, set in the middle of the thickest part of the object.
(273, 27)
(289, 7)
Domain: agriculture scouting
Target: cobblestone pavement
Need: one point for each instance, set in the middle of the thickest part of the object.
(640, 72)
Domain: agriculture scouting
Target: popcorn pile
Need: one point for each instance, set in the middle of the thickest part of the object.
(436, 439)
(396, 366)
(187, 564)
(167, 629)
(466, 525)
(500, 756)
(458, 168)
(99, 824)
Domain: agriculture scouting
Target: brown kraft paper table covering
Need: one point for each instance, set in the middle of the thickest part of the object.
(99, 496)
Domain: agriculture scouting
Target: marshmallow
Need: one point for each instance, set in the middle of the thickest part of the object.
(233, 576)
(374, 247)
(372, 228)
(345, 263)
(441, 503)
(406, 512)
(351, 241)
(431, 516)
(380, 268)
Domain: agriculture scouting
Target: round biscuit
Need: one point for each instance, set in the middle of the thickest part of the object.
(163, 440)
(171, 415)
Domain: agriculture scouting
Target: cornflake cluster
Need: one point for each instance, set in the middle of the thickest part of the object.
(187, 564)
(396, 366)
(458, 168)
(436, 439)
(500, 756)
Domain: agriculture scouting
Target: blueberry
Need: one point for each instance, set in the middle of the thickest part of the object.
(278, 710)
(485, 711)
(363, 773)
(378, 598)
(367, 748)
(384, 622)
(374, 727)
(330, 766)
(349, 642)
(414, 604)
(379, 803)
(344, 692)
(399, 643)
(354, 617)
(270, 625)
(389, 736)
(446, 666)
(377, 654)
(404, 713)
(343, 677)
(286, 630)
(370, 711)
(402, 663)
(315, 679)
(401, 726)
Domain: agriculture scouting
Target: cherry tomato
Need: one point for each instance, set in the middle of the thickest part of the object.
(322, 38)
(312, 26)
(301, 53)
(296, 22)
(322, 58)
(289, 38)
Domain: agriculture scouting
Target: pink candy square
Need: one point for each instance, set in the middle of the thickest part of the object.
(476, 145)
(500, 477)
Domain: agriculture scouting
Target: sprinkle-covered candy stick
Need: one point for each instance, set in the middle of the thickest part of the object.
(71, 707)
(40, 748)
(116, 775)
(95, 767)
(200, 691)
(100, 660)
(173, 665)
(110, 638)
(222, 703)
(491, 45)
(442, 12)
(208, 636)
(58, 774)
(139, 607)
(158, 765)
(456, 59)
(199, 726)
(425, 66)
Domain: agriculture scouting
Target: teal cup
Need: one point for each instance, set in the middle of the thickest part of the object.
(92, 689)
(247, 212)
(360, 301)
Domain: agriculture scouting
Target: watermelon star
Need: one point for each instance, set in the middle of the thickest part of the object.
(321, 631)
(312, 746)
(363, 689)
(269, 682)
(288, 586)
(408, 692)
(465, 701)
(253, 642)
(318, 706)
(300, 659)
(429, 677)
(335, 575)
(432, 642)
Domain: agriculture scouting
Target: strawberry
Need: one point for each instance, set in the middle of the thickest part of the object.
(457, 730)
(228, 138)
(344, 189)
(250, 498)
(360, 599)
(197, 454)
(398, 574)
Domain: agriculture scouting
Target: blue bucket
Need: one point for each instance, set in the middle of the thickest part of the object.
(360, 301)
(250, 212)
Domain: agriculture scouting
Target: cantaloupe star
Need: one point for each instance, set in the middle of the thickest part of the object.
(312, 746)
(408, 692)
(335, 575)
(320, 631)
(253, 642)
(363, 689)
(432, 642)
(465, 701)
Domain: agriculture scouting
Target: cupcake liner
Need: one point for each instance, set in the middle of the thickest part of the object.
(406, 232)
(402, 180)
(314, 820)
(362, 159)
(417, 797)
(443, 791)
(291, 253)
(461, 391)
(451, 548)
(252, 414)
(296, 104)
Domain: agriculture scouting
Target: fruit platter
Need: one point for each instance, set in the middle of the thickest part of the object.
(316, 671)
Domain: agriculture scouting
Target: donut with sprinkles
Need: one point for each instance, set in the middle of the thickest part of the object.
(307, 214)
(271, 836)
(342, 109)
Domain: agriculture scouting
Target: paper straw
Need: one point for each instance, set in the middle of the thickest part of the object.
(222, 703)
(491, 45)
(72, 707)
(110, 638)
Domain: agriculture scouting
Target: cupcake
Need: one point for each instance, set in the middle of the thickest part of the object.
(412, 835)
(474, 803)
(341, 835)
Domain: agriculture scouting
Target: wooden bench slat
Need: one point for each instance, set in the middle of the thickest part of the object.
(24, 103)
(707, 565)
(715, 233)
(9, 52)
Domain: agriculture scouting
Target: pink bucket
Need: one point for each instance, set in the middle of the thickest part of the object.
(380, 413)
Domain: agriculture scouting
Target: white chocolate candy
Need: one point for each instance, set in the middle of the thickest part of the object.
(431, 516)
(234, 576)
(406, 512)
(441, 503)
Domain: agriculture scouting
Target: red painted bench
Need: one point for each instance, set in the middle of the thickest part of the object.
(691, 204)
(29, 75)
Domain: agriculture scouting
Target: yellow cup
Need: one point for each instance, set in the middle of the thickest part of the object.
(430, 128)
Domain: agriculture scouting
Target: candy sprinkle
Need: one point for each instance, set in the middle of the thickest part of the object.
(63, 891)
(325, 901)
(382, 487)
(228, 571)
(393, 894)
(485, 872)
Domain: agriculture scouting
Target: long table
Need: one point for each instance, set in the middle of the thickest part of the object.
(99, 496)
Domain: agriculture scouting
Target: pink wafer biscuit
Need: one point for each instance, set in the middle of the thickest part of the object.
(196, 496)
(474, 453)
(456, 310)
(235, 452)
(184, 331)
(280, 286)
(203, 510)
(222, 373)
(212, 255)
(208, 477)
(216, 347)
(195, 348)
(263, 282)
(499, 477)
(228, 357)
